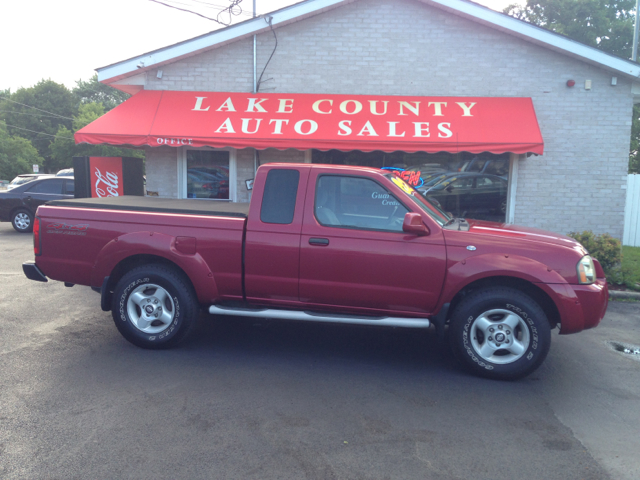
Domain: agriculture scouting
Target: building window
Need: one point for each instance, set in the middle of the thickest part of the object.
(464, 184)
(208, 174)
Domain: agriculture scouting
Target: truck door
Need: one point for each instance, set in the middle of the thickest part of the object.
(272, 245)
(354, 254)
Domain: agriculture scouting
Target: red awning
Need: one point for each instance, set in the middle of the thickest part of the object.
(324, 122)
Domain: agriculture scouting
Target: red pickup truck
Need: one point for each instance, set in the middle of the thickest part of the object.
(329, 244)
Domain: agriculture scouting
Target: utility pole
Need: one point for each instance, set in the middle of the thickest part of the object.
(255, 85)
(255, 61)
(634, 55)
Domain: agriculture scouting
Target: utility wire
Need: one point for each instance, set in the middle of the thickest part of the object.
(25, 113)
(39, 133)
(229, 9)
(24, 105)
(213, 5)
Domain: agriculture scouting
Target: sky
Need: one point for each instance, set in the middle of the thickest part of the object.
(67, 40)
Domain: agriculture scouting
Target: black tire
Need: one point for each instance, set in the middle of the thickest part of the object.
(154, 306)
(500, 333)
(22, 220)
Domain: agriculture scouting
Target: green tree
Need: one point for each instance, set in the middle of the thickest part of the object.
(92, 91)
(604, 24)
(36, 113)
(17, 155)
(64, 148)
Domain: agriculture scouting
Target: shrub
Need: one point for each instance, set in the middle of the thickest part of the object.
(606, 249)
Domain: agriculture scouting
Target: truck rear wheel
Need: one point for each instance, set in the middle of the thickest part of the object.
(500, 333)
(154, 306)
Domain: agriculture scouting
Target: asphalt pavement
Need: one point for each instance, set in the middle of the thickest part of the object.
(246, 399)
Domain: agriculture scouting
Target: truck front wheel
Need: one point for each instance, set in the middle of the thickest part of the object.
(154, 306)
(500, 333)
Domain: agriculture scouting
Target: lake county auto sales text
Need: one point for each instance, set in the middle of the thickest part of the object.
(366, 124)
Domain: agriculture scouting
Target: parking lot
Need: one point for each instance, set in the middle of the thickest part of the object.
(247, 399)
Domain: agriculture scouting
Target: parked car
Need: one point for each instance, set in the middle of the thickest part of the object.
(19, 205)
(464, 194)
(208, 183)
(25, 178)
(490, 166)
(66, 172)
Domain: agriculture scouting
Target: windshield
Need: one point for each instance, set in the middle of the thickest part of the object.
(431, 209)
(21, 180)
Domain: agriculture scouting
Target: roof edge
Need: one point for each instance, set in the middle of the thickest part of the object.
(299, 11)
(156, 58)
(537, 35)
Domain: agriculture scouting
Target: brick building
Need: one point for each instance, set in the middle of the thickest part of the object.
(416, 48)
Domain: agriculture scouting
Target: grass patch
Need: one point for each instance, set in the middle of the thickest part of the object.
(630, 267)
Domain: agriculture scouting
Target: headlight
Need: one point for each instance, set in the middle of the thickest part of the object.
(586, 271)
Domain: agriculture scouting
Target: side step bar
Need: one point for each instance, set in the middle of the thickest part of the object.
(320, 317)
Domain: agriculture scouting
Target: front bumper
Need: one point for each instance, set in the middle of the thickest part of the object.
(594, 300)
(580, 306)
(32, 272)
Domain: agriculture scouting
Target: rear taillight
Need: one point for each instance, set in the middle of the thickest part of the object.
(37, 245)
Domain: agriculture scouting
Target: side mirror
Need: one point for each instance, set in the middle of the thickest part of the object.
(413, 224)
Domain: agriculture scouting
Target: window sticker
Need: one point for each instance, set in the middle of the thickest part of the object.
(413, 178)
(403, 185)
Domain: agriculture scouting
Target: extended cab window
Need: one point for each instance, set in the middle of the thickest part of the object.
(279, 198)
(356, 202)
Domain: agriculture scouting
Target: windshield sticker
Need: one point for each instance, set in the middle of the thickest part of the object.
(386, 198)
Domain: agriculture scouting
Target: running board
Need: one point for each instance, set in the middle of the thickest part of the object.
(320, 317)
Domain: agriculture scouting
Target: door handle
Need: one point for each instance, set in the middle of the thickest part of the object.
(322, 242)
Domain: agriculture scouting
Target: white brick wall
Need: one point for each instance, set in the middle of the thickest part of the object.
(161, 167)
(403, 47)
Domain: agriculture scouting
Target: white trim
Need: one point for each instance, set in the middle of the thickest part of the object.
(182, 172)
(233, 175)
(635, 91)
(469, 10)
(512, 188)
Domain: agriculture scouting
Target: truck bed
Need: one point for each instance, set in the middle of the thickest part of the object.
(161, 205)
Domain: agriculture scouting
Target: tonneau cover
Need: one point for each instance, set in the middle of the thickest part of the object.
(162, 205)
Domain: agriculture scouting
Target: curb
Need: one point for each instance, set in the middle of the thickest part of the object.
(625, 294)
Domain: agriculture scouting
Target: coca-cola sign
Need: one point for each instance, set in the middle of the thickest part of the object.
(106, 176)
